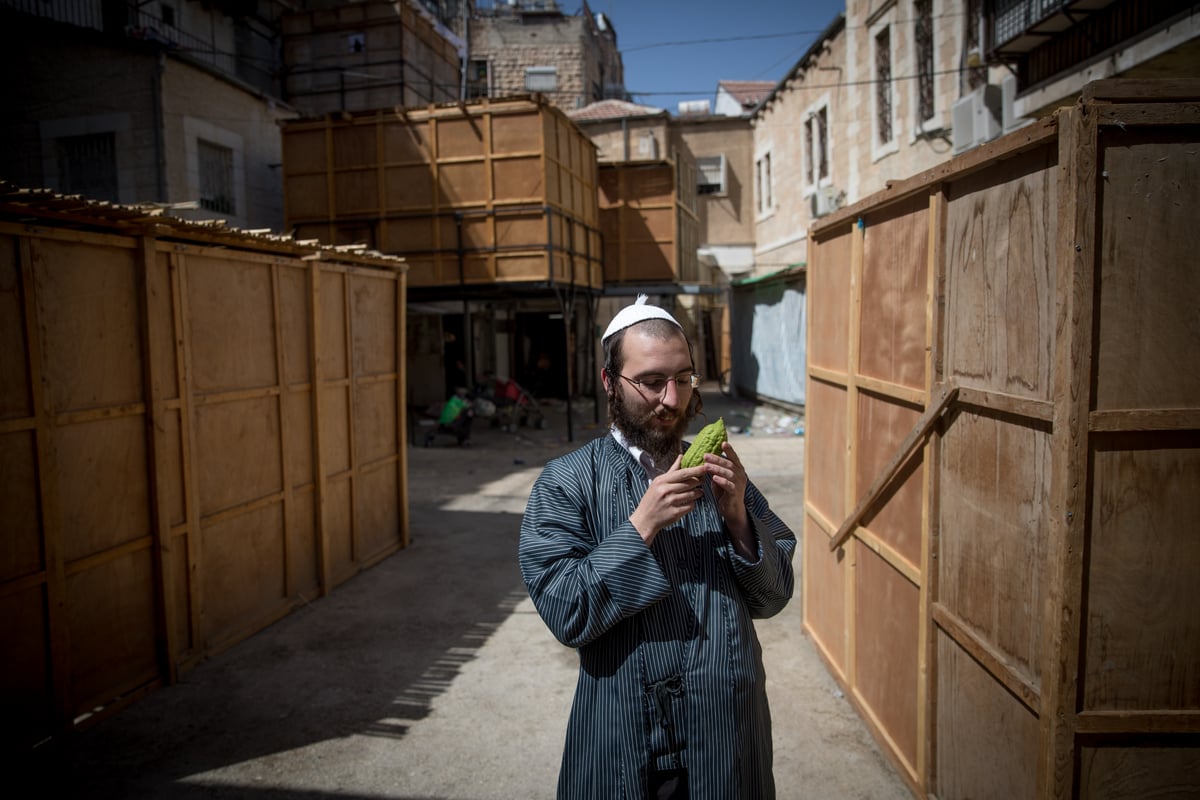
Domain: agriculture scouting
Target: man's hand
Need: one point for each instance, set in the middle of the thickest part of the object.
(670, 497)
(729, 484)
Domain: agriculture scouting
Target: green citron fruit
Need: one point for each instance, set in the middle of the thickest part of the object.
(709, 440)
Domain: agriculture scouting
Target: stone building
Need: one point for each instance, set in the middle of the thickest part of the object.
(531, 46)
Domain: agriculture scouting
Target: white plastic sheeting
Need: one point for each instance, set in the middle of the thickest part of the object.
(768, 325)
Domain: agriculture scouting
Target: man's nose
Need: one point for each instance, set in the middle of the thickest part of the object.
(670, 396)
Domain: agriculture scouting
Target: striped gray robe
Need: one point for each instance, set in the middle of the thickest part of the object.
(639, 615)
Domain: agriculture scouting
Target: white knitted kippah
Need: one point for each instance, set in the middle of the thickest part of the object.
(638, 312)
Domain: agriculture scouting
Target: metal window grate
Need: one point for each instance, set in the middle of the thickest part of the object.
(823, 142)
(810, 148)
(216, 177)
(883, 84)
(923, 33)
(87, 165)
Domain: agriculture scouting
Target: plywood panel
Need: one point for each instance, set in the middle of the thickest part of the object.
(824, 589)
(237, 452)
(994, 490)
(829, 287)
(1142, 637)
(1145, 769)
(518, 180)
(102, 484)
(375, 421)
(986, 741)
(182, 579)
(517, 133)
(339, 529)
(294, 313)
(14, 369)
(458, 138)
(354, 145)
(378, 510)
(232, 333)
(299, 444)
(894, 288)
(356, 192)
(1149, 339)
(825, 431)
(170, 475)
(409, 188)
(405, 144)
(90, 333)
(886, 609)
(1000, 233)
(335, 429)
(110, 612)
(463, 184)
(20, 545)
(333, 350)
(373, 304)
(303, 575)
(883, 425)
(243, 570)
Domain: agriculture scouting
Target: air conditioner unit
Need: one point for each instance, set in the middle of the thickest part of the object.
(825, 200)
(1008, 97)
(977, 118)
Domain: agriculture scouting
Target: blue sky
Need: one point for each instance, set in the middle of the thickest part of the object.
(750, 40)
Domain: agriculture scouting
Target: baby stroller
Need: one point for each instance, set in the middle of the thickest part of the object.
(515, 407)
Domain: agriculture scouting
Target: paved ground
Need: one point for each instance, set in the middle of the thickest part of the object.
(431, 676)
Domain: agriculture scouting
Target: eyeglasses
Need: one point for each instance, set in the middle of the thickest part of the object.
(657, 384)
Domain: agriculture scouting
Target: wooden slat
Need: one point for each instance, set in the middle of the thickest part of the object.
(1007, 403)
(19, 424)
(402, 394)
(1182, 722)
(318, 420)
(991, 659)
(94, 414)
(187, 429)
(928, 575)
(854, 342)
(52, 531)
(896, 391)
(1128, 115)
(155, 343)
(1157, 419)
(945, 394)
(1076, 255)
(890, 555)
(286, 458)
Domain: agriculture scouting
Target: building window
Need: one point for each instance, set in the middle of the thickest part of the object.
(816, 146)
(541, 79)
(216, 177)
(923, 33)
(976, 71)
(711, 170)
(478, 82)
(87, 165)
(763, 184)
(883, 86)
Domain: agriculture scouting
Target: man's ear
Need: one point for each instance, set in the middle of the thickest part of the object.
(604, 378)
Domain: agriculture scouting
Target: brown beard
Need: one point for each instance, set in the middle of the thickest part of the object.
(661, 444)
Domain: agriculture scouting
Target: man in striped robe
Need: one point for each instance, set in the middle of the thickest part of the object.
(655, 573)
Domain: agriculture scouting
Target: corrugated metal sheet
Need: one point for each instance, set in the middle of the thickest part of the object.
(768, 324)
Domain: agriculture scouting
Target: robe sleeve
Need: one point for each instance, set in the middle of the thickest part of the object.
(581, 580)
(767, 583)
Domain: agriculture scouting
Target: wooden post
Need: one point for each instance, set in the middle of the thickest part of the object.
(1076, 258)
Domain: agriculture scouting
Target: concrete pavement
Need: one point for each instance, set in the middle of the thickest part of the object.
(431, 675)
